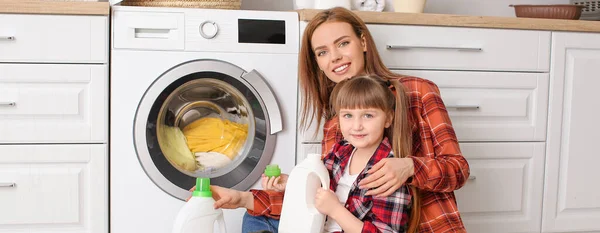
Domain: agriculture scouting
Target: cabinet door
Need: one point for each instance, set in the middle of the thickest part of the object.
(53, 38)
(50, 103)
(503, 193)
(572, 194)
(53, 188)
(492, 106)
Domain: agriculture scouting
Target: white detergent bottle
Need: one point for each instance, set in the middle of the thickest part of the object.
(198, 214)
(298, 212)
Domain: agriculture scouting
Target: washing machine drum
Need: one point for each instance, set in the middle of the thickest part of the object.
(203, 124)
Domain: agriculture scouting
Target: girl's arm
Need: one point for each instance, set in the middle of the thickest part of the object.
(388, 214)
(328, 204)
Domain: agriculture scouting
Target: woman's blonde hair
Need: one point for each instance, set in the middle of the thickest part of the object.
(363, 92)
(317, 88)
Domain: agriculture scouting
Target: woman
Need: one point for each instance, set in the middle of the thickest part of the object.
(337, 45)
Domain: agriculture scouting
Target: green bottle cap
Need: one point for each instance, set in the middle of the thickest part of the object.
(202, 187)
(272, 170)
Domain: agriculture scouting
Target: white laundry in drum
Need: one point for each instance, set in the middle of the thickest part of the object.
(212, 160)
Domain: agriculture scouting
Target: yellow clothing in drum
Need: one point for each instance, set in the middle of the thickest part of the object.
(216, 135)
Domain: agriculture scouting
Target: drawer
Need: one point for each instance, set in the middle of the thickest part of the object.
(483, 106)
(148, 30)
(53, 38)
(450, 48)
(53, 103)
(504, 191)
(493, 106)
(57, 188)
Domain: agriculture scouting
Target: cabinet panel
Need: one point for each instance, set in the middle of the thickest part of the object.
(53, 188)
(53, 103)
(493, 106)
(452, 48)
(572, 198)
(53, 38)
(504, 189)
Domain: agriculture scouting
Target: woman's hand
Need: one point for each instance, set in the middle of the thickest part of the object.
(231, 199)
(387, 176)
(275, 184)
(327, 202)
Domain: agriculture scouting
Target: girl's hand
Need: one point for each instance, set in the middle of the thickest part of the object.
(327, 202)
(275, 184)
(387, 176)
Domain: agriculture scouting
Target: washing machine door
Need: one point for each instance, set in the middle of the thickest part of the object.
(206, 118)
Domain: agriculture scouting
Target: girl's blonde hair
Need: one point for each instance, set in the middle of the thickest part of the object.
(375, 92)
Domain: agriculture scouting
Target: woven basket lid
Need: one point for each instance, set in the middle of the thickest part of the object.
(209, 4)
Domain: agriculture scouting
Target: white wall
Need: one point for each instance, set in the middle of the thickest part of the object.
(460, 7)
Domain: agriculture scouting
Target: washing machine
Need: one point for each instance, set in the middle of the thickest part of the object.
(196, 93)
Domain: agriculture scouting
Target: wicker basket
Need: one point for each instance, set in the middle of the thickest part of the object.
(558, 11)
(210, 4)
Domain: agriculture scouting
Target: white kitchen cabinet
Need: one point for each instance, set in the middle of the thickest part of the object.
(53, 38)
(43, 103)
(53, 188)
(453, 48)
(571, 193)
(504, 189)
(53, 123)
(493, 106)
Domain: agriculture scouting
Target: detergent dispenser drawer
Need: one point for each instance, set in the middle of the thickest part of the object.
(148, 30)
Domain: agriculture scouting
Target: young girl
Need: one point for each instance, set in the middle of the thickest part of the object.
(371, 117)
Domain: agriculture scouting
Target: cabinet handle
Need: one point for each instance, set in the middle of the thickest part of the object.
(472, 177)
(7, 38)
(7, 185)
(472, 49)
(8, 104)
(463, 106)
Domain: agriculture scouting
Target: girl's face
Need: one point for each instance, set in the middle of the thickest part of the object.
(364, 128)
(338, 51)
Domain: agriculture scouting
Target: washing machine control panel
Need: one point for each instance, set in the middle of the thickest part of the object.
(241, 31)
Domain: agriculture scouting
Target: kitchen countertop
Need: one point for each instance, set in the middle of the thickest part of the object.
(468, 21)
(54, 7)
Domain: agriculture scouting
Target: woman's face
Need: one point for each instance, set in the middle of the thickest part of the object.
(338, 50)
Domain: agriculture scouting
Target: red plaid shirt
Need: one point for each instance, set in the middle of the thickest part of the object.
(440, 167)
(379, 214)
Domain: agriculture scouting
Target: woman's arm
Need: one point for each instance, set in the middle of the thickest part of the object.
(257, 202)
(440, 165)
(437, 165)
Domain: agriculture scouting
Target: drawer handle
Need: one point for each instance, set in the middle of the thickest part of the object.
(7, 185)
(8, 104)
(7, 38)
(465, 106)
(472, 177)
(472, 49)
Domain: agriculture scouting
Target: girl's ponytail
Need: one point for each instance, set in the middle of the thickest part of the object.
(401, 137)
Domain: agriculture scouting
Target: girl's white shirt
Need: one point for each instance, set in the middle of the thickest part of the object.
(342, 191)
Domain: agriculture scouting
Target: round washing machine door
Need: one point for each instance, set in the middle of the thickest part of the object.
(206, 118)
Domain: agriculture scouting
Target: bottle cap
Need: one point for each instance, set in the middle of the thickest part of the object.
(202, 187)
(272, 170)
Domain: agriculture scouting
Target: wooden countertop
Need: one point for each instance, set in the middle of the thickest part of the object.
(54, 7)
(468, 21)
